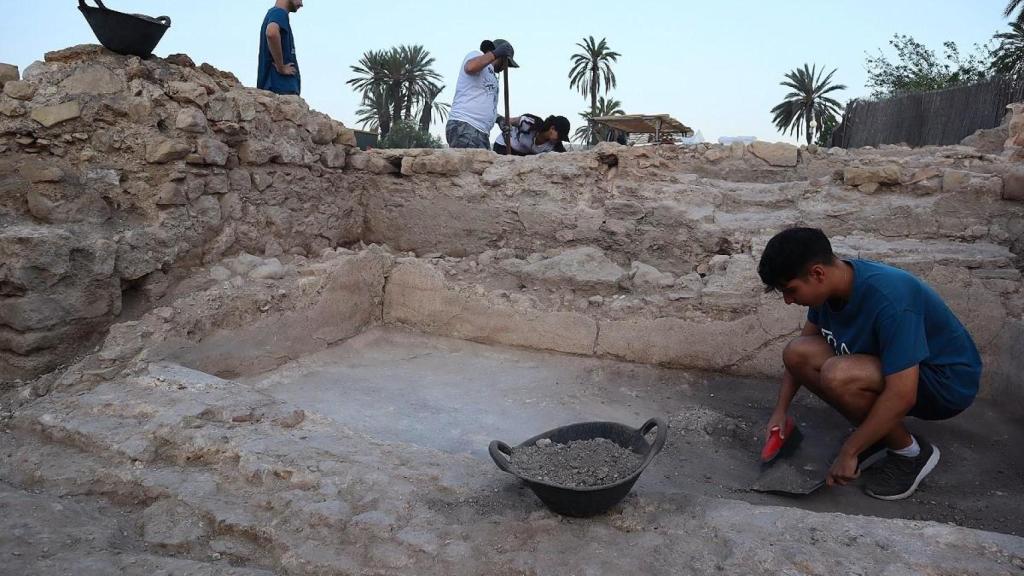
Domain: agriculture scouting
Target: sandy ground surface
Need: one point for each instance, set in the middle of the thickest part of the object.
(457, 396)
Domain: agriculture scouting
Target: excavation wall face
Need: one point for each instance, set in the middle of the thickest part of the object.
(121, 178)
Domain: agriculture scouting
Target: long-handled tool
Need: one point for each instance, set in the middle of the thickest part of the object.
(507, 129)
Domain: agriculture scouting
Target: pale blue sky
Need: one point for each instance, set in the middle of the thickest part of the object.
(714, 65)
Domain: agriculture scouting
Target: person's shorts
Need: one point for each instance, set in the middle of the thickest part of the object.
(462, 135)
(944, 391)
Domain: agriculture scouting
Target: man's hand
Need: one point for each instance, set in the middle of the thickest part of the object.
(778, 420)
(286, 69)
(843, 471)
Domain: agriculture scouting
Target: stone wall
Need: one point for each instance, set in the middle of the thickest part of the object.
(115, 172)
(119, 178)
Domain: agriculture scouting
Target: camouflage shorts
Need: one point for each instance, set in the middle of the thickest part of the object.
(462, 135)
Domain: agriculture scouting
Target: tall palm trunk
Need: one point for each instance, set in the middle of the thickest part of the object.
(595, 83)
(810, 117)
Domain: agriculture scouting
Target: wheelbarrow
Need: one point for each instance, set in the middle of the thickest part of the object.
(589, 501)
(129, 34)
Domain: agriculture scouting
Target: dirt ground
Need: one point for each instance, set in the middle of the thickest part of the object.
(457, 396)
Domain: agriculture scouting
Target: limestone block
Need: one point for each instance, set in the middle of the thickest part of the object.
(962, 182)
(417, 297)
(776, 154)
(93, 79)
(585, 269)
(187, 93)
(52, 115)
(1013, 184)
(647, 278)
(8, 72)
(888, 174)
(257, 152)
(19, 89)
(334, 156)
(212, 152)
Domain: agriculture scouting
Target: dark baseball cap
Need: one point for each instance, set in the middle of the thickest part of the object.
(511, 60)
(561, 124)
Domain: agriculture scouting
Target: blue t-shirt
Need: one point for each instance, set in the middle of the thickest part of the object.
(268, 77)
(896, 317)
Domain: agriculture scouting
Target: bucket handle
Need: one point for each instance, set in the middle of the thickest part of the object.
(501, 453)
(165, 20)
(659, 440)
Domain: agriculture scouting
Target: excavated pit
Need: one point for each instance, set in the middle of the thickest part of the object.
(230, 343)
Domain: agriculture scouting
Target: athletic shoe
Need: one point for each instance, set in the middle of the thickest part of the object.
(897, 477)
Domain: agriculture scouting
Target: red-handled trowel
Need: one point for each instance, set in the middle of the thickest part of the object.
(782, 440)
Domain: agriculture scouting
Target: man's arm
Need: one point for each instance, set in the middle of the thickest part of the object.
(276, 52)
(475, 65)
(789, 387)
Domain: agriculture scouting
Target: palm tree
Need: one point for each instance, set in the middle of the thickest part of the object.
(430, 107)
(588, 132)
(1011, 7)
(393, 82)
(374, 111)
(807, 103)
(1008, 57)
(591, 68)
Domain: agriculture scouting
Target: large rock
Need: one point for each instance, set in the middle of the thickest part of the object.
(584, 269)
(52, 115)
(334, 156)
(777, 153)
(187, 93)
(167, 150)
(20, 90)
(1013, 184)
(963, 182)
(888, 174)
(191, 120)
(8, 72)
(1015, 141)
(257, 152)
(93, 79)
(212, 152)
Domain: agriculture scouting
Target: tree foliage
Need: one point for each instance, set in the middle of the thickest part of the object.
(397, 84)
(405, 134)
(588, 133)
(917, 68)
(1008, 56)
(807, 108)
(592, 67)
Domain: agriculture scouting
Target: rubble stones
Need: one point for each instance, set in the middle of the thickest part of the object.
(167, 150)
(1013, 184)
(584, 269)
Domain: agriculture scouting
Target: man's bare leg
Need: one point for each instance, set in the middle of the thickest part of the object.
(851, 384)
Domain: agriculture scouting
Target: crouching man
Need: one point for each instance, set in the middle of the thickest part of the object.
(879, 345)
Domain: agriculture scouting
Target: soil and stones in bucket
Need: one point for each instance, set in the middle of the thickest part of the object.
(576, 464)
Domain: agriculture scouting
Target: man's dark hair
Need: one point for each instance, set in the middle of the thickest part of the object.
(487, 46)
(790, 253)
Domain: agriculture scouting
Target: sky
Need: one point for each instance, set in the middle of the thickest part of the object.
(716, 66)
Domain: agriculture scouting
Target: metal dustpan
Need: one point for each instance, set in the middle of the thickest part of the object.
(802, 469)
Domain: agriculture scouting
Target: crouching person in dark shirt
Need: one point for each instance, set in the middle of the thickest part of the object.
(879, 345)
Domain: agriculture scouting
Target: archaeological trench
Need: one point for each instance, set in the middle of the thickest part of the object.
(232, 343)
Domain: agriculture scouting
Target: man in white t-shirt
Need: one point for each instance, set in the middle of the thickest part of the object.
(475, 106)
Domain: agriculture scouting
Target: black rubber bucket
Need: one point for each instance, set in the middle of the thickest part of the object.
(129, 34)
(583, 502)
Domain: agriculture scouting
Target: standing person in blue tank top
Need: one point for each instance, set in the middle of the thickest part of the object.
(279, 68)
(879, 345)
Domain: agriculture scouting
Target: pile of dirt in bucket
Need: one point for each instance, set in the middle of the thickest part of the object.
(578, 464)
